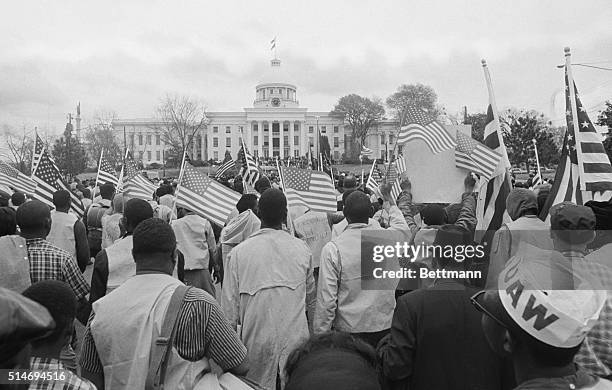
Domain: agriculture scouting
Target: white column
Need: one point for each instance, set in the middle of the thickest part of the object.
(281, 141)
(291, 134)
(260, 138)
(249, 138)
(304, 138)
(204, 134)
(270, 139)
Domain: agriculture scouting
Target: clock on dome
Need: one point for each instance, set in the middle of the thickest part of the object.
(276, 102)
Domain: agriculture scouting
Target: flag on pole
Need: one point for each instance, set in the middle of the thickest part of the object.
(134, 183)
(205, 196)
(273, 44)
(537, 178)
(249, 169)
(12, 178)
(224, 168)
(400, 167)
(48, 180)
(474, 156)
(426, 128)
(374, 180)
(39, 146)
(492, 192)
(106, 172)
(584, 172)
(310, 188)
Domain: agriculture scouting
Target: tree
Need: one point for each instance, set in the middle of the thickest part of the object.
(69, 154)
(101, 136)
(478, 122)
(521, 127)
(360, 113)
(416, 95)
(19, 146)
(605, 119)
(180, 118)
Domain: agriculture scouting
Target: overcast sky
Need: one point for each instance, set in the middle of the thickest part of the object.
(124, 56)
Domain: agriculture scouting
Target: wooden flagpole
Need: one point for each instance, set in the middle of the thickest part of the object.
(535, 149)
(575, 124)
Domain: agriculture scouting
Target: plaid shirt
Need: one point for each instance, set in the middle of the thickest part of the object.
(71, 381)
(48, 262)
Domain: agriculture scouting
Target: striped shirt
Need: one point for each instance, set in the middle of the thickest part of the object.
(201, 332)
(66, 379)
(48, 262)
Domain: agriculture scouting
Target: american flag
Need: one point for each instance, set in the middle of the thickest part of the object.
(474, 156)
(12, 178)
(310, 188)
(537, 178)
(134, 183)
(227, 166)
(205, 196)
(400, 167)
(584, 172)
(49, 180)
(422, 126)
(535, 181)
(492, 193)
(249, 169)
(38, 149)
(374, 180)
(106, 172)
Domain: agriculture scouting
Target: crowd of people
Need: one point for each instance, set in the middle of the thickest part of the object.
(143, 294)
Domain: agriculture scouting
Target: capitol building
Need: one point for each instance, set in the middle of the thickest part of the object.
(274, 126)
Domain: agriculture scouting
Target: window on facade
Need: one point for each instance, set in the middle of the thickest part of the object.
(286, 140)
(149, 155)
(148, 139)
(296, 127)
(390, 138)
(266, 126)
(255, 127)
(157, 139)
(323, 129)
(215, 142)
(140, 155)
(255, 140)
(311, 141)
(139, 139)
(215, 129)
(263, 92)
(296, 153)
(271, 91)
(215, 155)
(266, 140)
(310, 129)
(336, 129)
(228, 142)
(296, 140)
(336, 142)
(382, 139)
(285, 127)
(158, 155)
(228, 129)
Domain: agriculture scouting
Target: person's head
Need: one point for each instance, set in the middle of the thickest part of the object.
(262, 184)
(272, 208)
(521, 202)
(433, 215)
(449, 236)
(61, 200)
(349, 183)
(8, 221)
(34, 219)
(134, 212)
(603, 222)
(4, 198)
(107, 190)
(18, 198)
(333, 360)
(572, 227)
(57, 297)
(357, 207)
(247, 202)
(542, 195)
(238, 186)
(86, 193)
(21, 321)
(535, 317)
(154, 247)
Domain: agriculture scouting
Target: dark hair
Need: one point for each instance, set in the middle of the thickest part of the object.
(238, 186)
(262, 184)
(61, 199)
(331, 341)
(272, 207)
(86, 193)
(433, 214)
(57, 297)
(246, 202)
(357, 207)
(345, 195)
(8, 221)
(153, 235)
(32, 215)
(544, 354)
(107, 190)
(137, 210)
(18, 198)
(165, 189)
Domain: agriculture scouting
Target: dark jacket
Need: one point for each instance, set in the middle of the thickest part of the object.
(436, 342)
